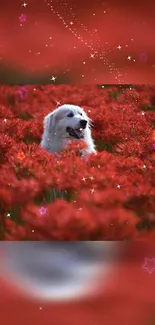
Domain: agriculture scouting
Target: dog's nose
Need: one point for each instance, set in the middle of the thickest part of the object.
(83, 124)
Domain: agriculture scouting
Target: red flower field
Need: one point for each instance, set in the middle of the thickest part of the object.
(110, 196)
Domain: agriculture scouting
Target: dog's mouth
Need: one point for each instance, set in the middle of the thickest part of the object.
(76, 133)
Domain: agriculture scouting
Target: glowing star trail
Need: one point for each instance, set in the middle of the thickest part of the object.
(66, 15)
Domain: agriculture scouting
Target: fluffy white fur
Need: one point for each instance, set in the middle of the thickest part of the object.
(55, 137)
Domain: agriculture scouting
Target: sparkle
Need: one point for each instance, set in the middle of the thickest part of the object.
(149, 264)
(53, 78)
(144, 166)
(9, 215)
(41, 308)
(92, 56)
(91, 177)
(84, 62)
(83, 179)
(119, 47)
(92, 190)
(129, 57)
(24, 4)
(32, 230)
(143, 113)
(5, 120)
(71, 23)
(118, 186)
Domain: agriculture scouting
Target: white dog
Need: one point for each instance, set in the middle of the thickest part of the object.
(64, 124)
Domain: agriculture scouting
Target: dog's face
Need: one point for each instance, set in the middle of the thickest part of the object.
(68, 121)
(57, 271)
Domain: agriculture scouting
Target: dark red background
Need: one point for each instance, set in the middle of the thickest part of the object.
(122, 22)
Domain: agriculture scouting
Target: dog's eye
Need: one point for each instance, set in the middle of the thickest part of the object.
(70, 114)
(80, 113)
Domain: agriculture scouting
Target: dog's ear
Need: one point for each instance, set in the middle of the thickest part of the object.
(49, 122)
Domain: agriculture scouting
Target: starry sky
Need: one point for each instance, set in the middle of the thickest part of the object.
(66, 41)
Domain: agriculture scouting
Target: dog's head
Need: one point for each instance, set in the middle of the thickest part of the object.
(67, 122)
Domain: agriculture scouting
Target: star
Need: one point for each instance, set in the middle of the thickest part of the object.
(149, 264)
(43, 210)
(21, 155)
(24, 4)
(53, 78)
(92, 190)
(5, 120)
(143, 113)
(9, 215)
(83, 179)
(129, 57)
(143, 57)
(92, 56)
(23, 92)
(144, 166)
(119, 47)
(91, 177)
(118, 186)
(22, 18)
